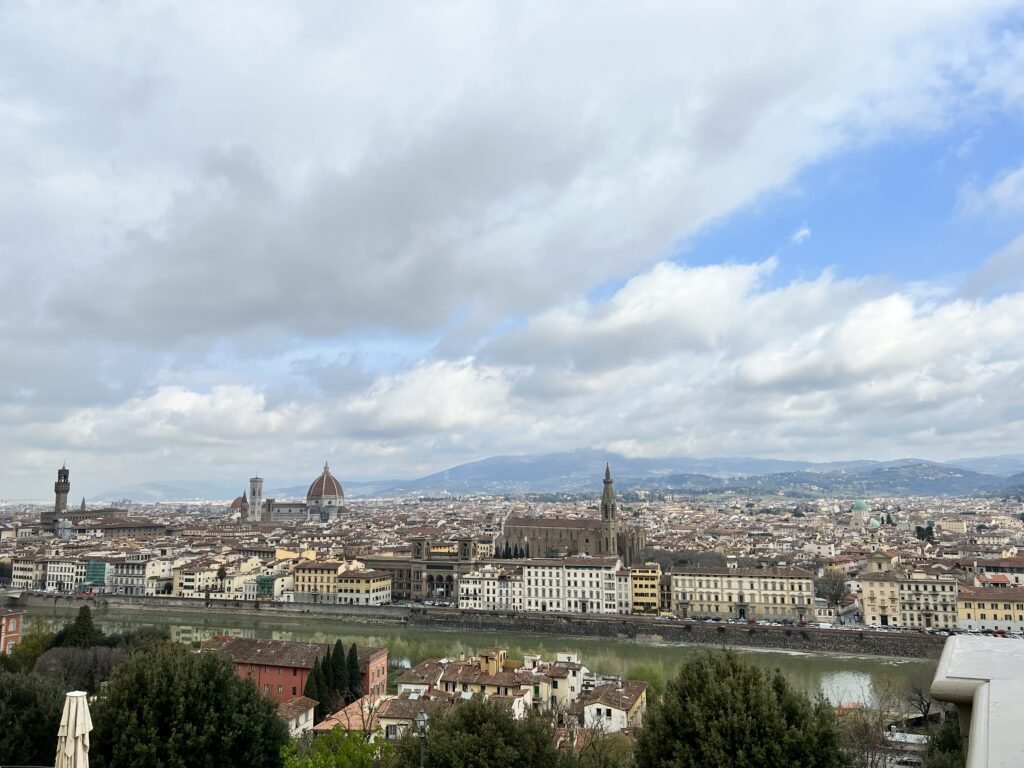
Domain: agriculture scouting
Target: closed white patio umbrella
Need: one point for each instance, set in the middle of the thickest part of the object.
(73, 734)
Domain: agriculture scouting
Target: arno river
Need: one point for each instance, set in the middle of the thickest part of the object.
(840, 678)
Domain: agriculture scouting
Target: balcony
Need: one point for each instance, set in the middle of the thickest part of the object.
(983, 676)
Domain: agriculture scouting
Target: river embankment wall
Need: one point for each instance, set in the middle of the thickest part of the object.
(641, 629)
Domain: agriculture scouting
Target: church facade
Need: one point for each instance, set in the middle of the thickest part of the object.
(557, 537)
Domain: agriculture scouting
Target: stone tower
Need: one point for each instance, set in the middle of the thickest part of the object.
(61, 488)
(255, 498)
(609, 511)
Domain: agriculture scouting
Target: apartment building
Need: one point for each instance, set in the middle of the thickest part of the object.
(64, 574)
(743, 593)
(921, 599)
(11, 623)
(928, 600)
(571, 585)
(128, 575)
(645, 588)
(342, 582)
(623, 591)
(28, 572)
(987, 608)
(492, 588)
(197, 578)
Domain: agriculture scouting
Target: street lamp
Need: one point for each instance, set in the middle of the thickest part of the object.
(421, 726)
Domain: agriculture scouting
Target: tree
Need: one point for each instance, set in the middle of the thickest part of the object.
(477, 734)
(312, 690)
(178, 709)
(340, 662)
(79, 669)
(222, 573)
(30, 711)
(6, 569)
(917, 690)
(34, 644)
(720, 711)
(605, 750)
(326, 694)
(327, 667)
(924, 534)
(946, 744)
(831, 586)
(355, 677)
(82, 633)
(337, 748)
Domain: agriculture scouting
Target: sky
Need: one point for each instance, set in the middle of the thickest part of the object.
(254, 236)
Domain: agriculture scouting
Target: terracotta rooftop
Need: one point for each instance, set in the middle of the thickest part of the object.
(275, 653)
(289, 710)
(623, 697)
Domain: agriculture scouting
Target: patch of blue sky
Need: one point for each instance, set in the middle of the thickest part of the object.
(889, 210)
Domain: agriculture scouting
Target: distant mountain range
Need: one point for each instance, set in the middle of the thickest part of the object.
(581, 472)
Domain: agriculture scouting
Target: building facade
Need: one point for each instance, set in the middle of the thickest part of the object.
(916, 599)
(645, 588)
(280, 668)
(987, 608)
(743, 593)
(492, 588)
(11, 623)
(342, 583)
(571, 584)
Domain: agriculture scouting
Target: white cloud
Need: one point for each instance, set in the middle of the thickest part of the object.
(1004, 196)
(801, 235)
(812, 368)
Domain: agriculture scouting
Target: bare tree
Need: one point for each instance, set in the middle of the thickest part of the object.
(917, 690)
(831, 586)
(864, 729)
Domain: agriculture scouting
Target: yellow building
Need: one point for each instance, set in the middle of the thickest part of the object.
(880, 598)
(743, 593)
(196, 579)
(645, 588)
(919, 599)
(347, 583)
(981, 608)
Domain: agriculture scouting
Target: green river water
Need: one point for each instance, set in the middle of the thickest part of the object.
(840, 678)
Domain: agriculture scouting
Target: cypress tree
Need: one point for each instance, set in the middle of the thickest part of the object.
(326, 706)
(311, 690)
(327, 665)
(355, 677)
(340, 671)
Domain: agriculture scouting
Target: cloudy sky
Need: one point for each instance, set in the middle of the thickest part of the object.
(247, 237)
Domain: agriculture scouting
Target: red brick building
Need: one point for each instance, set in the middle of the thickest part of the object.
(11, 622)
(279, 668)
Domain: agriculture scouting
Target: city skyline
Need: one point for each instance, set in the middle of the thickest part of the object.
(255, 240)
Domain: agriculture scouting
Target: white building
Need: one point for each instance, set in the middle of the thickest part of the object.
(571, 585)
(64, 574)
(492, 588)
(614, 707)
(28, 572)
